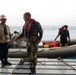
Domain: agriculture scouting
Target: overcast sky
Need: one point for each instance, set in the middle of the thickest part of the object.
(47, 12)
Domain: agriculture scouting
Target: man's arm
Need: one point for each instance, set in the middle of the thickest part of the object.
(9, 34)
(20, 36)
(68, 36)
(56, 37)
(40, 32)
(69, 39)
(59, 33)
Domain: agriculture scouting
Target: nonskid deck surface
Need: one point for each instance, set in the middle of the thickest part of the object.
(45, 66)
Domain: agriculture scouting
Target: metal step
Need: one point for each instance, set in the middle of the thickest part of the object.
(44, 66)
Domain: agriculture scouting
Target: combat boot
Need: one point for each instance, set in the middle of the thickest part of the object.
(2, 63)
(8, 63)
(33, 70)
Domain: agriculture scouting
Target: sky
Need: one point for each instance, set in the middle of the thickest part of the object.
(47, 12)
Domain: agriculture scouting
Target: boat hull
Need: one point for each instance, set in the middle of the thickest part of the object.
(45, 52)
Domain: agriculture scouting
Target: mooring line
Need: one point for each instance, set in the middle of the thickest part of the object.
(60, 59)
(17, 65)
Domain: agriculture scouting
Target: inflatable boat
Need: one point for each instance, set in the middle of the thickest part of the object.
(44, 51)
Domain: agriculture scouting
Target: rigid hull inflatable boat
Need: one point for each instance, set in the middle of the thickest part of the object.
(44, 51)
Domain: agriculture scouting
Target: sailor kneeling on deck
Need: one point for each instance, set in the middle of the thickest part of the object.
(33, 32)
(4, 40)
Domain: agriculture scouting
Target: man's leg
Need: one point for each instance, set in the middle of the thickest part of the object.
(2, 54)
(28, 47)
(35, 54)
(61, 45)
(66, 44)
(34, 48)
(61, 42)
(6, 54)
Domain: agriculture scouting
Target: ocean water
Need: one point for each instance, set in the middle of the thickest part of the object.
(49, 32)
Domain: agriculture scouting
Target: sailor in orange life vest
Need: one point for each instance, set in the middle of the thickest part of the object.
(33, 32)
(64, 34)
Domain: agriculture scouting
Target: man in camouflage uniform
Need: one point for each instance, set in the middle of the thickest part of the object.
(33, 32)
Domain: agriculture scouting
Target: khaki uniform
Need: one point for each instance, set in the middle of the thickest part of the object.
(4, 38)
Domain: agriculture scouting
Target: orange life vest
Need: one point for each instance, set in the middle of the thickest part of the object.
(54, 44)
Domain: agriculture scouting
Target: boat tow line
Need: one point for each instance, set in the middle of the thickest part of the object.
(42, 62)
(41, 51)
(60, 59)
(23, 51)
(20, 62)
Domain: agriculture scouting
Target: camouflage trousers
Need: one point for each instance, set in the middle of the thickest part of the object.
(32, 52)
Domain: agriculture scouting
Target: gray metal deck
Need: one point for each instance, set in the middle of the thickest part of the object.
(45, 66)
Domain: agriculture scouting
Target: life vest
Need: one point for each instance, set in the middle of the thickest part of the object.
(29, 25)
(60, 28)
(54, 44)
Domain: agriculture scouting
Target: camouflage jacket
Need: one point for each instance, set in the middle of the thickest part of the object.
(35, 32)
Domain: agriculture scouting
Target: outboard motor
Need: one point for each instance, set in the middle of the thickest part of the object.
(14, 35)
